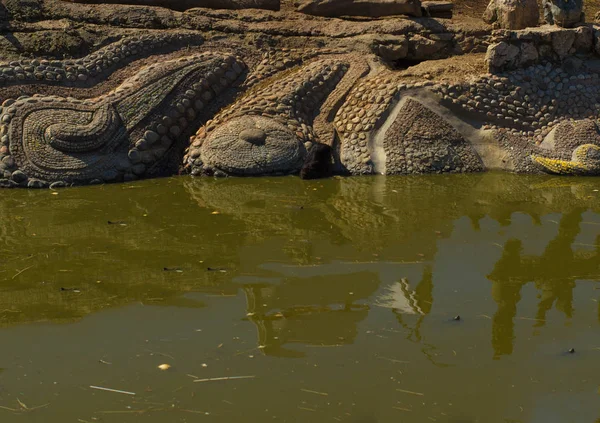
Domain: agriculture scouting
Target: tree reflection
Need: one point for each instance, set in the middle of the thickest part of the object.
(554, 274)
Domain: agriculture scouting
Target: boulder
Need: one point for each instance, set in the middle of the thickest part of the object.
(512, 14)
(562, 42)
(564, 13)
(584, 39)
(528, 55)
(370, 8)
(437, 9)
(189, 4)
(501, 56)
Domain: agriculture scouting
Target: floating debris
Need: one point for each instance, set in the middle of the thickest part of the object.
(324, 394)
(216, 379)
(164, 366)
(410, 392)
(117, 391)
(117, 222)
(21, 271)
(76, 290)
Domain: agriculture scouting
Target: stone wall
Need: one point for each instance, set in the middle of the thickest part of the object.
(517, 49)
(428, 46)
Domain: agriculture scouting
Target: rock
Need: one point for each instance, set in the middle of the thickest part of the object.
(421, 48)
(371, 8)
(58, 184)
(501, 56)
(512, 14)
(18, 176)
(597, 40)
(437, 9)
(528, 55)
(36, 183)
(564, 13)
(7, 183)
(562, 41)
(584, 39)
(393, 52)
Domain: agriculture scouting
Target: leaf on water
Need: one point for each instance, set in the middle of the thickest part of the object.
(164, 367)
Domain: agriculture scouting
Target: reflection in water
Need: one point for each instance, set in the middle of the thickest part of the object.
(314, 312)
(403, 300)
(554, 273)
(422, 303)
(63, 261)
(373, 268)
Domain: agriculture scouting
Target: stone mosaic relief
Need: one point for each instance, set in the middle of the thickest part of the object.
(175, 101)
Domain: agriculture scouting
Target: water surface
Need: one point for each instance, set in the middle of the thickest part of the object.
(365, 299)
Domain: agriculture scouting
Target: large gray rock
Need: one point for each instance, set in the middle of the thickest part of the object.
(512, 14)
(501, 56)
(562, 42)
(565, 13)
(371, 8)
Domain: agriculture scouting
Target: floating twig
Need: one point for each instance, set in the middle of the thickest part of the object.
(410, 392)
(394, 360)
(21, 271)
(215, 379)
(324, 394)
(112, 390)
(161, 354)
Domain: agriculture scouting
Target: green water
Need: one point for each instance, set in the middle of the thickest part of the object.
(336, 298)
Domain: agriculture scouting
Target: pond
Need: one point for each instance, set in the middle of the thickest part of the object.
(463, 298)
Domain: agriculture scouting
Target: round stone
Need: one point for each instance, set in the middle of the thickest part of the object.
(58, 184)
(253, 136)
(18, 176)
(36, 183)
(139, 169)
(135, 156)
(151, 136)
(8, 161)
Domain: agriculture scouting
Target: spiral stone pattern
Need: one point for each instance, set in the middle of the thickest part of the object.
(122, 135)
(283, 107)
